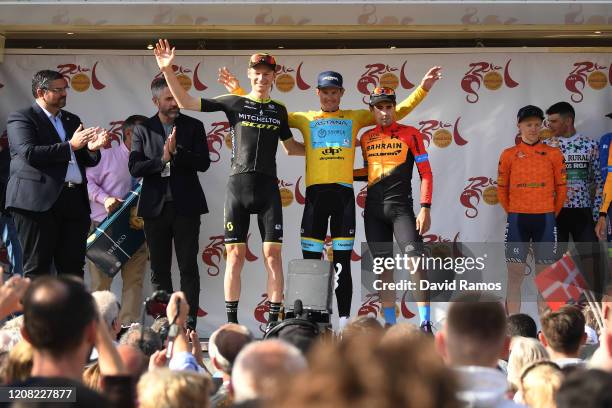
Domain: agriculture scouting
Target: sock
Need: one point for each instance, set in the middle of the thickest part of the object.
(425, 313)
(342, 322)
(274, 311)
(231, 308)
(389, 315)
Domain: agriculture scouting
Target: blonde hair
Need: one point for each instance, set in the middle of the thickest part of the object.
(539, 384)
(164, 388)
(525, 351)
(18, 365)
(91, 377)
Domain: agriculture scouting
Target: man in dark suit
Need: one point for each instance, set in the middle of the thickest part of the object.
(167, 152)
(47, 192)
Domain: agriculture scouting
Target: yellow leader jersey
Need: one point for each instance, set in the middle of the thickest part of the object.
(330, 138)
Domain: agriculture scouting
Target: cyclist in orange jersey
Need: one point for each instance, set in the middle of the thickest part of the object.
(531, 189)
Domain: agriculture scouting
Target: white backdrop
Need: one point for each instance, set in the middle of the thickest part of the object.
(467, 120)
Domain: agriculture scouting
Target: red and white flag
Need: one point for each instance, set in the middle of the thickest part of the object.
(560, 282)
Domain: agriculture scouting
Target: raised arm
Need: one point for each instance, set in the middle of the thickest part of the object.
(164, 55)
(415, 98)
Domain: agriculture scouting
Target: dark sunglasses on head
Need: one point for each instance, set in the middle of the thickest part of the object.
(262, 59)
(378, 91)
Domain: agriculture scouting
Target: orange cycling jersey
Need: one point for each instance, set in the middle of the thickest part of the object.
(531, 179)
(389, 154)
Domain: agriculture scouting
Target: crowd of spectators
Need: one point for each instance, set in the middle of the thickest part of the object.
(479, 357)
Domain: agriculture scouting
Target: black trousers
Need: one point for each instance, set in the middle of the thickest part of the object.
(54, 237)
(185, 231)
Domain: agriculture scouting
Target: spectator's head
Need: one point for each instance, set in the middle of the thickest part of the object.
(401, 332)
(363, 372)
(585, 389)
(19, 363)
(109, 308)
(163, 99)
(474, 332)
(563, 332)
(539, 383)
(134, 360)
(225, 343)
(60, 318)
(128, 128)
(151, 340)
(173, 389)
(524, 351)
(49, 88)
(262, 368)
(523, 325)
(561, 118)
(606, 307)
(362, 325)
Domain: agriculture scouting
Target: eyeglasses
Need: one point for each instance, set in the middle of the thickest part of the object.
(262, 59)
(58, 90)
(378, 91)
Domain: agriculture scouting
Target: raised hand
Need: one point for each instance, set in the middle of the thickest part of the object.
(164, 55)
(228, 80)
(431, 77)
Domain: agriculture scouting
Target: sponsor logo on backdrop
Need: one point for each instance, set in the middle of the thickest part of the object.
(471, 17)
(596, 76)
(369, 17)
(299, 197)
(79, 77)
(261, 312)
(381, 74)
(372, 306)
(285, 192)
(478, 188)
(285, 80)
(187, 77)
(576, 16)
(360, 200)
(115, 133)
(487, 74)
(216, 137)
(215, 251)
(265, 18)
(440, 133)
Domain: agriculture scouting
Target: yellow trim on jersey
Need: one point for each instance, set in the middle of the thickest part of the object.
(607, 190)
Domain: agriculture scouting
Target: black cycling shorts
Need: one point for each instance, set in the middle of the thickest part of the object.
(333, 202)
(541, 229)
(252, 193)
(383, 221)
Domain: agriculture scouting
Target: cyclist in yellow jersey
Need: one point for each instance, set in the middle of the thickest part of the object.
(330, 136)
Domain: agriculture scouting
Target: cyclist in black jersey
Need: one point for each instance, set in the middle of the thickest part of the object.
(257, 123)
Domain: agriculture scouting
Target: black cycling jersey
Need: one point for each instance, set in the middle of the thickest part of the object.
(256, 127)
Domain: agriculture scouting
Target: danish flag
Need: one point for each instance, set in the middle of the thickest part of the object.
(560, 282)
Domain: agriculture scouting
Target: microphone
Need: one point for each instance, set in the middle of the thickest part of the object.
(298, 308)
